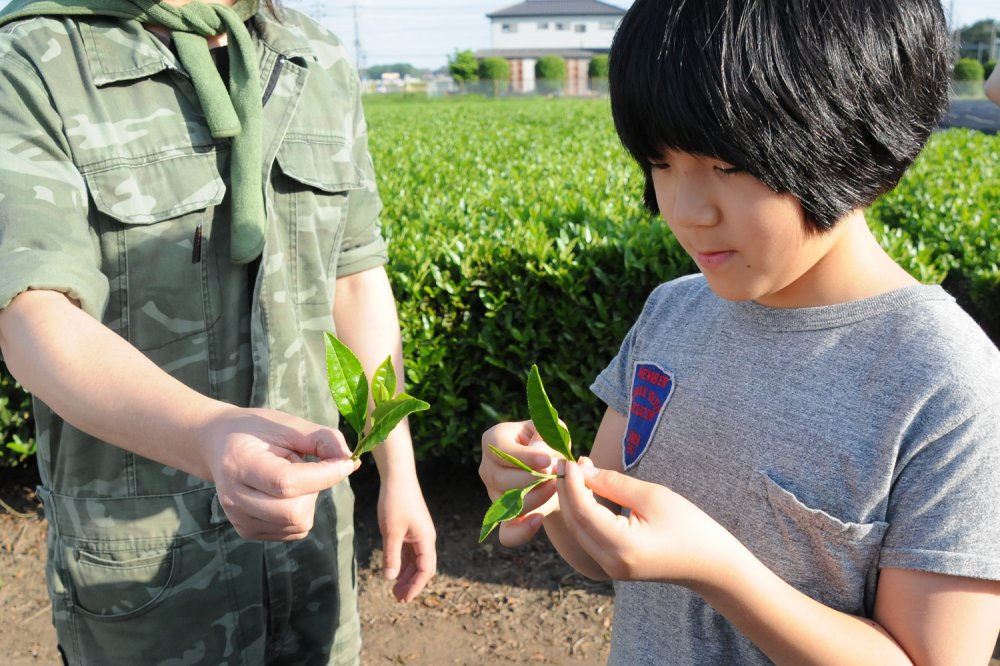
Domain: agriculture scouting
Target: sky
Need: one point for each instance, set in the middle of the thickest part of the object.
(423, 34)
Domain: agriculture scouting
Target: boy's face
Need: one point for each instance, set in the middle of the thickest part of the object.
(749, 242)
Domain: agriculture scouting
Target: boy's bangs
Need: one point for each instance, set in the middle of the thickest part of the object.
(662, 102)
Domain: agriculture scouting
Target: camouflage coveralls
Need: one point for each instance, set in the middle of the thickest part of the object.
(111, 190)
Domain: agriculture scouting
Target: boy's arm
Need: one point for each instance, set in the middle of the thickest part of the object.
(366, 319)
(98, 382)
(920, 618)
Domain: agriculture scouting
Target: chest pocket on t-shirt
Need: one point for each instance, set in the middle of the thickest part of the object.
(155, 233)
(312, 185)
(831, 560)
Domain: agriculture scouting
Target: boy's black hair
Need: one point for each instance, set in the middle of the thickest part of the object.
(828, 100)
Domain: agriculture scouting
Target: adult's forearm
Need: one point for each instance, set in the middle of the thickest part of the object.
(367, 322)
(102, 385)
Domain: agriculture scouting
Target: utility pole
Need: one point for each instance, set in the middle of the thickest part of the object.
(993, 40)
(359, 52)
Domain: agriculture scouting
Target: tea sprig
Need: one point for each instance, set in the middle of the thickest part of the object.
(546, 421)
(350, 390)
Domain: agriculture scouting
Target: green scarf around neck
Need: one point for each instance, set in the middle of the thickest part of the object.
(234, 114)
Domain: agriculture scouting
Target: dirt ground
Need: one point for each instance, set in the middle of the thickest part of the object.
(487, 605)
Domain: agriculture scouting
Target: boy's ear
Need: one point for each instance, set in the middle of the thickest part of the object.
(649, 195)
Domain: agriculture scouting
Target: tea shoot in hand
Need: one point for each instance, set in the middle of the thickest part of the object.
(548, 426)
(350, 390)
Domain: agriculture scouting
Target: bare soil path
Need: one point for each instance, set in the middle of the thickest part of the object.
(487, 605)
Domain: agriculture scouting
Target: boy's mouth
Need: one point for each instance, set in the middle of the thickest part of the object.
(713, 259)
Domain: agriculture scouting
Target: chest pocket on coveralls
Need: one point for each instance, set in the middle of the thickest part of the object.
(158, 246)
(312, 189)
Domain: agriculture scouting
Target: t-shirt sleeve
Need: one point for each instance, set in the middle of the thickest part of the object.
(612, 384)
(363, 246)
(944, 507)
(45, 238)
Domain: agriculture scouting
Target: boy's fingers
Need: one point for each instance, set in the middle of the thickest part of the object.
(623, 490)
(520, 530)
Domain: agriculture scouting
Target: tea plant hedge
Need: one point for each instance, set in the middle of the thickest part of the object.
(517, 237)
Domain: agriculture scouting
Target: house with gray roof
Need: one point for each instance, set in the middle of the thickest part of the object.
(575, 30)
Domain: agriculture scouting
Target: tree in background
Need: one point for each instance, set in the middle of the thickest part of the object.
(968, 69)
(978, 41)
(496, 70)
(550, 73)
(598, 67)
(401, 68)
(462, 66)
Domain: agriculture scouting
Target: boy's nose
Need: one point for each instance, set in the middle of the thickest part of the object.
(693, 206)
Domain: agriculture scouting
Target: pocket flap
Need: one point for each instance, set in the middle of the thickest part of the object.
(159, 190)
(323, 163)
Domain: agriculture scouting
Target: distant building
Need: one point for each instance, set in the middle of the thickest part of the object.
(575, 30)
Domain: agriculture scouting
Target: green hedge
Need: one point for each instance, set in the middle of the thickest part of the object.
(16, 426)
(531, 245)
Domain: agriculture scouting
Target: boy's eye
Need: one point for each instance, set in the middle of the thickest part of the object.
(659, 166)
(729, 170)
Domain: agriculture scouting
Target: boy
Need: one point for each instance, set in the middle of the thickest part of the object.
(800, 458)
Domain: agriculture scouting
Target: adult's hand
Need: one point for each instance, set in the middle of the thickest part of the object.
(267, 488)
(408, 536)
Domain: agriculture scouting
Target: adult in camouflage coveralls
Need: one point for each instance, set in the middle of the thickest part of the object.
(192, 475)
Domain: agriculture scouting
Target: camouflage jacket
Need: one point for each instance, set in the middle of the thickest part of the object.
(111, 190)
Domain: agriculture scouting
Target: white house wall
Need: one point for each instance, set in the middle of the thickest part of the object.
(561, 32)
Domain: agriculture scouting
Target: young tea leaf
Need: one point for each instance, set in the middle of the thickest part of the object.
(384, 382)
(348, 384)
(506, 506)
(545, 417)
(517, 463)
(385, 418)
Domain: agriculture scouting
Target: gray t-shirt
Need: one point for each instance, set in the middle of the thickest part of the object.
(831, 441)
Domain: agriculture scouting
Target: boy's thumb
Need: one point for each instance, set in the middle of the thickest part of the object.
(615, 486)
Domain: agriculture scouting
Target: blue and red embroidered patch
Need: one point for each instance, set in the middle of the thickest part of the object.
(652, 387)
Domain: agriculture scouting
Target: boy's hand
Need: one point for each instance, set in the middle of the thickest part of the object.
(266, 487)
(519, 440)
(663, 538)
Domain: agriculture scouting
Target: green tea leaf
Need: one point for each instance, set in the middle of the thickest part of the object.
(545, 417)
(348, 384)
(517, 463)
(384, 382)
(385, 418)
(505, 507)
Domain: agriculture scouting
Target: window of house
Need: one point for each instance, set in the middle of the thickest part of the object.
(580, 27)
(561, 26)
(543, 26)
(607, 25)
(508, 27)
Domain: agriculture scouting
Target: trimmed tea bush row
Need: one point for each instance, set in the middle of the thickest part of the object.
(517, 237)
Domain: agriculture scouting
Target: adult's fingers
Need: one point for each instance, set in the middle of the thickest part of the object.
(419, 565)
(283, 478)
(257, 516)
